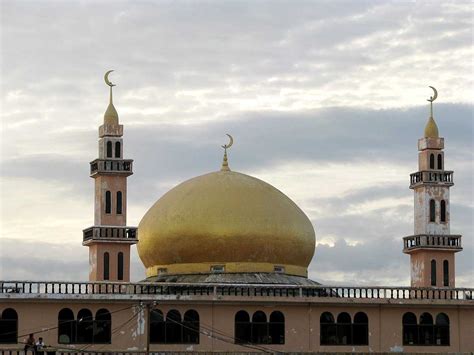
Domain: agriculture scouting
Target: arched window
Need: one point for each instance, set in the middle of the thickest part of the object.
(328, 329)
(432, 161)
(259, 328)
(433, 272)
(157, 327)
(120, 266)
(119, 202)
(109, 149)
(102, 327)
(174, 328)
(277, 328)
(440, 162)
(66, 327)
(108, 202)
(410, 329)
(85, 326)
(344, 336)
(191, 327)
(432, 211)
(442, 329)
(117, 149)
(242, 327)
(426, 329)
(443, 211)
(445, 273)
(360, 330)
(106, 266)
(9, 326)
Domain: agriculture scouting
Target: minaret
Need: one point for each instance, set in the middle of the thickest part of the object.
(432, 247)
(109, 240)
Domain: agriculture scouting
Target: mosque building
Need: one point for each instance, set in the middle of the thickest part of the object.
(226, 258)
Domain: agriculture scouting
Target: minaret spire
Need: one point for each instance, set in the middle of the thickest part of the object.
(225, 163)
(110, 115)
(431, 129)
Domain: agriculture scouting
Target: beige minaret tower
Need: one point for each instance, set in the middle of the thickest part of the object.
(432, 247)
(109, 240)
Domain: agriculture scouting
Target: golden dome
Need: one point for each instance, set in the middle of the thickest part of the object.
(225, 219)
(431, 129)
(111, 115)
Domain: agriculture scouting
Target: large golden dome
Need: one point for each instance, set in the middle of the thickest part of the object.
(225, 221)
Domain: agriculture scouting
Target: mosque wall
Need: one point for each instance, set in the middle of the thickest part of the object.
(302, 324)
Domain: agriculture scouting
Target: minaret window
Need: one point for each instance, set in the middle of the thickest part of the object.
(108, 202)
(117, 149)
(109, 149)
(106, 266)
(440, 162)
(433, 272)
(432, 210)
(120, 266)
(445, 273)
(119, 202)
(432, 161)
(443, 211)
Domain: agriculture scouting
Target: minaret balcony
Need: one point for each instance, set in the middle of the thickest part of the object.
(435, 177)
(114, 167)
(113, 234)
(430, 241)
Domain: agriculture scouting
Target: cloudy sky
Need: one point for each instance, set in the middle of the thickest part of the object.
(325, 100)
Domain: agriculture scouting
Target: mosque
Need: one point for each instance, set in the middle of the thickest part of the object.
(226, 258)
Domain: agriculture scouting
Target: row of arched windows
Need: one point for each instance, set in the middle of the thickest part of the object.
(343, 331)
(425, 332)
(8, 326)
(173, 329)
(258, 330)
(108, 202)
(117, 149)
(440, 161)
(85, 329)
(442, 215)
(120, 263)
(445, 273)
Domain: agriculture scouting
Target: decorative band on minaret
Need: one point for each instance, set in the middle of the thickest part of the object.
(432, 247)
(109, 240)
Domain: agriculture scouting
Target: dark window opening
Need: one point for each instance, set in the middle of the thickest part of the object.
(84, 329)
(117, 149)
(443, 211)
(433, 272)
(344, 331)
(432, 210)
(119, 202)
(259, 330)
(173, 330)
(109, 149)
(108, 202)
(426, 329)
(85, 326)
(360, 335)
(191, 327)
(410, 329)
(120, 266)
(106, 266)
(441, 330)
(440, 162)
(445, 273)
(66, 327)
(432, 161)
(9, 327)
(242, 327)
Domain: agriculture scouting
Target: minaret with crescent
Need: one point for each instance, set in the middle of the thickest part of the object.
(109, 239)
(432, 248)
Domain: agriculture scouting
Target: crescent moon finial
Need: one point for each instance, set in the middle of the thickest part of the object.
(106, 78)
(225, 164)
(431, 99)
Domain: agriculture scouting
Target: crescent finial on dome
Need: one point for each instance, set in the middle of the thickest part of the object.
(431, 129)
(225, 163)
(110, 115)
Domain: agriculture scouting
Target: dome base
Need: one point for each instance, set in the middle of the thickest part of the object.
(225, 268)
